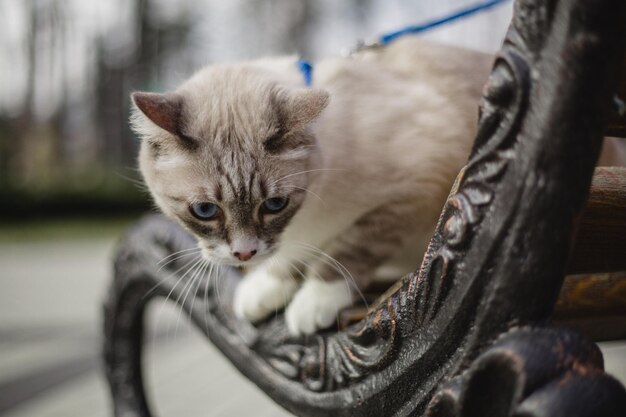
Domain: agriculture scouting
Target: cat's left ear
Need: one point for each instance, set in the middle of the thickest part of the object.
(163, 109)
(303, 106)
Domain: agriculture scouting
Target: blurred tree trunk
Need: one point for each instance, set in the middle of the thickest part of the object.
(24, 122)
(155, 44)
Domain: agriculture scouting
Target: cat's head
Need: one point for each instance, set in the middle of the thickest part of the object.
(229, 155)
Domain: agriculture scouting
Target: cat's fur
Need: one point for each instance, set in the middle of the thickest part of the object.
(366, 157)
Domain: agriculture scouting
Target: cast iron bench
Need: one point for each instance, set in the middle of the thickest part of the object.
(475, 331)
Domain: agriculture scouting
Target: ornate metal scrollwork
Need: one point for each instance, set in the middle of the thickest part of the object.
(532, 372)
(496, 262)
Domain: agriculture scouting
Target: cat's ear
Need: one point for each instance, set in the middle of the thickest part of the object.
(163, 109)
(303, 106)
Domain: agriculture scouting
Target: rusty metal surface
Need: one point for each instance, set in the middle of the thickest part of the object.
(534, 372)
(469, 321)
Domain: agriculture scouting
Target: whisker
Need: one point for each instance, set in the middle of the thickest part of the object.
(311, 271)
(206, 298)
(178, 258)
(188, 286)
(306, 172)
(158, 284)
(188, 281)
(306, 190)
(201, 279)
(338, 266)
(274, 262)
(138, 183)
(298, 269)
(201, 275)
(286, 298)
(164, 301)
(182, 277)
(132, 168)
(195, 249)
(218, 279)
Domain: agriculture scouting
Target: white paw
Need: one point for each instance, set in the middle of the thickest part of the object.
(260, 294)
(316, 305)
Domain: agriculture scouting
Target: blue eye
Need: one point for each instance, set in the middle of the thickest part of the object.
(204, 211)
(275, 204)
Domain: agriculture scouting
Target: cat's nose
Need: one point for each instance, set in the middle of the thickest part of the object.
(244, 248)
(244, 256)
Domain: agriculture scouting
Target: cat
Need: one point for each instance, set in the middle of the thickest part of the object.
(316, 190)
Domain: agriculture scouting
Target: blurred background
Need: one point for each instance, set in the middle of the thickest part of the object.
(69, 185)
(68, 68)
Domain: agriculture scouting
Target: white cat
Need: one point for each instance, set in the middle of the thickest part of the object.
(316, 190)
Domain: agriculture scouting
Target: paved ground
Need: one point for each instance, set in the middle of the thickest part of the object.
(50, 342)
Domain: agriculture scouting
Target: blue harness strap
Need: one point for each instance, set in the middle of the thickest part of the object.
(306, 69)
(459, 14)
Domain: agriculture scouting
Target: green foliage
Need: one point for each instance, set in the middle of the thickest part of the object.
(112, 196)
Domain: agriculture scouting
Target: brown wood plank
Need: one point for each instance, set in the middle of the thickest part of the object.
(601, 240)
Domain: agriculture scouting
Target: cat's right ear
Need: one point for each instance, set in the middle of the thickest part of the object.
(300, 107)
(163, 110)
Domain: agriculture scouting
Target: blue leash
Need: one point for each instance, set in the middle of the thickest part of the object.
(459, 14)
(306, 68)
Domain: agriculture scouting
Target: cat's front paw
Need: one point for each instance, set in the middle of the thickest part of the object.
(261, 293)
(316, 305)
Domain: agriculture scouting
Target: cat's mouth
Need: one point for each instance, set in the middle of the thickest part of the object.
(251, 262)
(258, 259)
